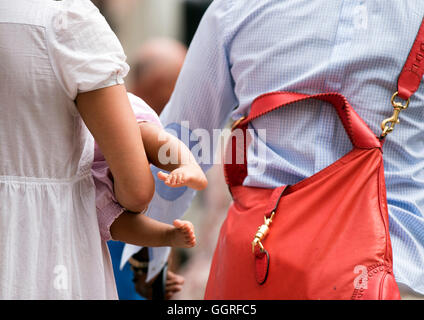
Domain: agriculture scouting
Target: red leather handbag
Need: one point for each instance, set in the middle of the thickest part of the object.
(325, 237)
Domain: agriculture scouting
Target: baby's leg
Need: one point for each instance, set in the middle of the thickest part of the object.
(140, 230)
(169, 153)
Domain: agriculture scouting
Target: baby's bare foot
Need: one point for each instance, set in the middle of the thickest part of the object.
(182, 236)
(189, 175)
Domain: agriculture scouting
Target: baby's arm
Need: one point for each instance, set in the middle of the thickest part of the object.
(169, 153)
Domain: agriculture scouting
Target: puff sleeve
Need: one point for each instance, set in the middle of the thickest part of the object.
(85, 53)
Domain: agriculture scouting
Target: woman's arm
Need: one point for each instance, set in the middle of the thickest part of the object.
(109, 117)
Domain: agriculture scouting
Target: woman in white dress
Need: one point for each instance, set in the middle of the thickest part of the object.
(61, 70)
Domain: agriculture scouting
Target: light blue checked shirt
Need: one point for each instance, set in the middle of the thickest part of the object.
(244, 48)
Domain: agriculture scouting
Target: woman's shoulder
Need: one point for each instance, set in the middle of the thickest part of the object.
(78, 25)
(84, 51)
(72, 6)
(69, 15)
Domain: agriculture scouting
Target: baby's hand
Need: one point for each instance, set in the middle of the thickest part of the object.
(182, 235)
(185, 176)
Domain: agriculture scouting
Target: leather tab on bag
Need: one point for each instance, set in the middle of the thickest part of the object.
(275, 199)
(262, 265)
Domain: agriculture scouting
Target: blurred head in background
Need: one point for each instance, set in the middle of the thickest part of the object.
(155, 70)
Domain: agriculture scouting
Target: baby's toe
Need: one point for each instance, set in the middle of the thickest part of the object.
(180, 178)
(188, 227)
(172, 179)
(162, 175)
(178, 224)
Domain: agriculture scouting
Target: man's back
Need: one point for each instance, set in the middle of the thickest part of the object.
(245, 48)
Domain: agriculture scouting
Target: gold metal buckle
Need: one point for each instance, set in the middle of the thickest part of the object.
(236, 123)
(262, 232)
(398, 107)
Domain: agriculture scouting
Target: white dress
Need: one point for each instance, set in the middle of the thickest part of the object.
(50, 246)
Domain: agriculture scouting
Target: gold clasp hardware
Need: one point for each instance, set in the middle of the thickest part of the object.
(262, 232)
(398, 107)
(236, 123)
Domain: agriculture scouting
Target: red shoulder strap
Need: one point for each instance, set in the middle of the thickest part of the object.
(235, 168)
(359, 133)
(413, 70)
